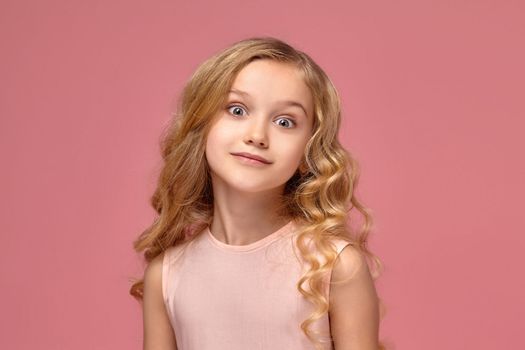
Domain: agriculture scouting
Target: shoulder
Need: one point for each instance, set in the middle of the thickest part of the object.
(158, 331)
(162, 266)
(353, 289)
(157, 266)
(350, 261)
(156, 272)
(153, 271)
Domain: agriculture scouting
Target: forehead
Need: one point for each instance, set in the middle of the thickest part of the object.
(272, 80)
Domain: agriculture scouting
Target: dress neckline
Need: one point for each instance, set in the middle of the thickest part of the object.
(288, 227)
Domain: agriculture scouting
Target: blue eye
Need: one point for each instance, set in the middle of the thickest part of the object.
(235, 108)
(290, 121)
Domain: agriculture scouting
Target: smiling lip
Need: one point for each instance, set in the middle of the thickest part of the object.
(252, 156)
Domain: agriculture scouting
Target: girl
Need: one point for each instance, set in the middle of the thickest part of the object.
(251, 248)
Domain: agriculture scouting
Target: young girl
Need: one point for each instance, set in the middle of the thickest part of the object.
(251, 248)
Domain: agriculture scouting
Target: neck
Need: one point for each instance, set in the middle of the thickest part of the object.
(241, 218)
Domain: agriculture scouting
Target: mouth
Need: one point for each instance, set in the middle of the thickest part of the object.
(252, 157)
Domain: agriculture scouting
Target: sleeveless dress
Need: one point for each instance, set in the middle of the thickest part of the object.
(220, 296)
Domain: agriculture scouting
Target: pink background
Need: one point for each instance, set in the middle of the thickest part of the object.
(433, 95)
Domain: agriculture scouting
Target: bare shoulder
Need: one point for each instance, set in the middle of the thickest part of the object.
(353, 308)
(158, 331)
(153, 272)
(153, 280)
(349, 263)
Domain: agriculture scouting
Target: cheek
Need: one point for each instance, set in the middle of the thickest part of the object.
(294, 149)
(217, 145)
(212, 142)
(215, 137)
(290, 161)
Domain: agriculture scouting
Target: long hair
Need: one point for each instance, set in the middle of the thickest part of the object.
(320, 198)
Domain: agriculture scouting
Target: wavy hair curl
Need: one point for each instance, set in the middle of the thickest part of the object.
(320, 197)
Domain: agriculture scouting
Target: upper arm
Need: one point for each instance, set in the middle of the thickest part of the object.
(158, 332)
(354, 305)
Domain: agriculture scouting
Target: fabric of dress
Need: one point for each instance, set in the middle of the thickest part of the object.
(220, 296)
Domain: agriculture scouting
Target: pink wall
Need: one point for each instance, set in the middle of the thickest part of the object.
(433, 101)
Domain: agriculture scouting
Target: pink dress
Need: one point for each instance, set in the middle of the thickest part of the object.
(226, 297)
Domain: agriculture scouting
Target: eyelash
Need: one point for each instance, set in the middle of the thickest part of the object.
(236, 105)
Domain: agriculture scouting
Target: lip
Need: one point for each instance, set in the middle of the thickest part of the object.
(252, 156)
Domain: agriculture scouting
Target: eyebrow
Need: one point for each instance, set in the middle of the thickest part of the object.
(285, 102)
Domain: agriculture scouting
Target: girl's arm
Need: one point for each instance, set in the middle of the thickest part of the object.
(354, 304)
(158, 332)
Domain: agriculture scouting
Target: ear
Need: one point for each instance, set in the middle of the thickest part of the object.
(303, 167)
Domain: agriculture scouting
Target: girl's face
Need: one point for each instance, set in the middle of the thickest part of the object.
(269, 114)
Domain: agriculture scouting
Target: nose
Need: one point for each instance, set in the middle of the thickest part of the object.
(256, 133)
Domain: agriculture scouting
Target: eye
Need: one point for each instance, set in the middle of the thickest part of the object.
(287, 121)
(236, 109)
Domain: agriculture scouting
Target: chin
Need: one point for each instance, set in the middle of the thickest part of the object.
(253, 188)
